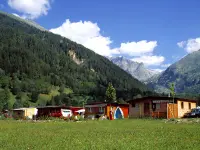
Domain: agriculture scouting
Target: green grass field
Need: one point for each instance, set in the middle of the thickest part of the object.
(99, 135)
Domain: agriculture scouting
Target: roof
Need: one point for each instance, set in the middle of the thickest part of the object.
(75, 107)
(99, 104)
(18, 109)
(161, 98)
(63, 106)
(81, 110)
(51, 107)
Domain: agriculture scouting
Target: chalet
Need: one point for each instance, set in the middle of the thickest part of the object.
(108, 110)
(160, 107)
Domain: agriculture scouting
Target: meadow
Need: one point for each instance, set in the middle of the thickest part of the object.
(99, 135)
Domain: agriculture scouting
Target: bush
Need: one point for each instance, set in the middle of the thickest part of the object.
(2, 117)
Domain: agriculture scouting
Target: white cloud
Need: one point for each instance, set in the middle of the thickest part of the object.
(88, 34)
(150, 60)
(190, 45)
(158, 70)
(181, 44)
(137, 48)
(30, 9)
(165, 65)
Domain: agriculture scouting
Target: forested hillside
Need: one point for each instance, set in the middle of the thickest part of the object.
(40, 68)
(185, 74)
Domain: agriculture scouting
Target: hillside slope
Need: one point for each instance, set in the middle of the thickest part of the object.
(33, 60)
(185, 73)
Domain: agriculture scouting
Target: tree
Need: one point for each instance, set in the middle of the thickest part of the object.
(34, 96)
(58, 100)
(62, 88)
(4, 99)
(4, 81)
(67, 101)
(198, 100)
(172, 90)
(18, 102)
(26, 104)
(110, 93)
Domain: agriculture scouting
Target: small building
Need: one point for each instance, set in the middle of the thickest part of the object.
(57, 111)
(160, 107)
(53, 111)
(24, 113)
(108, 110)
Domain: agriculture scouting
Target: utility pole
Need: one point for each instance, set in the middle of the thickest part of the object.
(172, 91)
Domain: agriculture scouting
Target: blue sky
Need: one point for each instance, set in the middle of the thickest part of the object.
(142, 30)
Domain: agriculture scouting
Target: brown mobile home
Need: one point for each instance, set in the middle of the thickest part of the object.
(160, 107)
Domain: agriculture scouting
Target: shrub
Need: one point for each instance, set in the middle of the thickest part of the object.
(2, 117)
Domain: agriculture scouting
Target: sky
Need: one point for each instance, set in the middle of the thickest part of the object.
(157, 33)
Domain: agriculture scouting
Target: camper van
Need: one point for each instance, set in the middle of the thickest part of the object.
(66, 112)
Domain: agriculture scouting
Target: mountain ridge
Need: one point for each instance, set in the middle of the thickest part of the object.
(137, 70)
(184, 73)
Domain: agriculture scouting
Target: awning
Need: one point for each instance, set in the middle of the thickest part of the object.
(80, 111)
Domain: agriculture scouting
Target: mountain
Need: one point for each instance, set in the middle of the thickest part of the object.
(137, 70)
(185, 74)
(28, 22)
(38, 67)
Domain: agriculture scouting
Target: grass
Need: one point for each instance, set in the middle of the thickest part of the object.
(99, 135)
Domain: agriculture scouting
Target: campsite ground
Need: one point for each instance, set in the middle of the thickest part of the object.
(99, 135)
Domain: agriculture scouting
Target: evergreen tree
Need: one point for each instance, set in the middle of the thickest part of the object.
(198, 100)
(4, 99)
(172, 90)
(110, 93)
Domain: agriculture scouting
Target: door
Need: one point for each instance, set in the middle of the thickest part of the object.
(118, 113)
(146, 109)
(172, 111)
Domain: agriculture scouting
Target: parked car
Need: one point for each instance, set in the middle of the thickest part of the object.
(193, 114)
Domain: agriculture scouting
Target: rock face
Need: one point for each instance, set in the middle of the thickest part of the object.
(72, 54)
(185, 74)
(137, 70)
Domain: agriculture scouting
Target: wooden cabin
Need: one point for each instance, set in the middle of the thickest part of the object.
(24, 113)
(160, 107)
(109, 110)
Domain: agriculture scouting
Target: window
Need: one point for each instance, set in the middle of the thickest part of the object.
(137, 105)
(154, 106)
(157, 106)
(189, 105)
(101, 109)
(133, 104)
(182, 105)
(89, 109)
